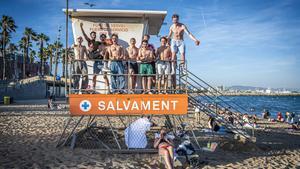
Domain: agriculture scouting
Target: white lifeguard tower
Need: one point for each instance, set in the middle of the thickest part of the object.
(125, 23)
(124, 107)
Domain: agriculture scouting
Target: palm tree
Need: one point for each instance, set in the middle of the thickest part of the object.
(41, 38)
(7, 26)
(58, 49)
(32, 55)
(65, 62)
(12, 48)
(29, 35)
(22, 48)
(50, 49)
(71, 54)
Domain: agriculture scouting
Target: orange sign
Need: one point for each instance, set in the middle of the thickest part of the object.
(128, 104)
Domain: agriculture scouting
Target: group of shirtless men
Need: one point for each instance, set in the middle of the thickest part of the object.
(144, 61)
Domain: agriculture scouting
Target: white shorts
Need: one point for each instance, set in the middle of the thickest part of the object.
(177, 45)
(163, 68)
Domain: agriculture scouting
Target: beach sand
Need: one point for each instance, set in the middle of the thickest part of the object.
(29, 133)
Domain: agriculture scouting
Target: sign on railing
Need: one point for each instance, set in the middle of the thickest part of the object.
(128, 104)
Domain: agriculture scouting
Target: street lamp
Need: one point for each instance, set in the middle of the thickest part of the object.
(66, 50)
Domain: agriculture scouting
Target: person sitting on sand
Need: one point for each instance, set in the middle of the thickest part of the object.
(135, 133)
(292, 117)
(246, 118)
(264, 114)
(287, 117)
(279, 117)
(165, 146)
(230, 118)
(212, 124)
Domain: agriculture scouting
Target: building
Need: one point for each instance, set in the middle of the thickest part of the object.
(14, 67)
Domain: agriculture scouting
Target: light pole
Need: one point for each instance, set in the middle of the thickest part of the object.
(67, 51)
(56, 61)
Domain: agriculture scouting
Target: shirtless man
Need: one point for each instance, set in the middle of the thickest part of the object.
(146, 70)
(116, 56)
(132, 52)
(98, 64)
(177, 29)
(177, 42)
(92, 43)
(152, 48)
(79, 64)
(163, 64)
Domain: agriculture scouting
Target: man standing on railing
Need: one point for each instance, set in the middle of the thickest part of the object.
(146, 70)
(177, 29)
(79, 64)
(163, 64)
(132, 52)
(116, 56)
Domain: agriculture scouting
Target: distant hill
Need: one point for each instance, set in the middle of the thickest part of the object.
(243, 88)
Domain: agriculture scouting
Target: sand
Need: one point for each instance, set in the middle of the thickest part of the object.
(29, 133)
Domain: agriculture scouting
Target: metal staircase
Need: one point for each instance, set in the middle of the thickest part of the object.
(209, 100)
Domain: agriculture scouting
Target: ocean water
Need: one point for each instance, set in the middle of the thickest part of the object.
(275, 104)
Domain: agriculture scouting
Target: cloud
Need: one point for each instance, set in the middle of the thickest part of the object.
(256, 44)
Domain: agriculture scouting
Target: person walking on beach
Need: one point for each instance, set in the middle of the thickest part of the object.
(177, 29)
(163, 64)
(79, 64)
(146, 70)
(116, 56)
(132, 53)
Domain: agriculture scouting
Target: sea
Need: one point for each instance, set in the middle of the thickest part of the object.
(257, 104)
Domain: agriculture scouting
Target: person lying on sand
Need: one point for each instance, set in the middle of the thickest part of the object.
(165, 147)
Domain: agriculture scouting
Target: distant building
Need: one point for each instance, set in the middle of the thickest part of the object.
(220, 88)
(14, 67)
(268, 91)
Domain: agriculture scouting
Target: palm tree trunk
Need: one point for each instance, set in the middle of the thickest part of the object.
(3, 54)
(63, 67)
(50, 65)
(55, 72)
(15, 66)
(42, 58)
(25, 57)
(24, 64)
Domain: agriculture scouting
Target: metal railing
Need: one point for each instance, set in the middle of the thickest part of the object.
(211, 103)
(172, 88)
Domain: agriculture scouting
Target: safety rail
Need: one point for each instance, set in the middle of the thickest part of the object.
(174, 87)
(210, 102)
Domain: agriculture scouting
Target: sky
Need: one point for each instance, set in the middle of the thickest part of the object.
(243, 42)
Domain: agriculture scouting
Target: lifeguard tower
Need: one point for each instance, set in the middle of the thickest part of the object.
(98, 120)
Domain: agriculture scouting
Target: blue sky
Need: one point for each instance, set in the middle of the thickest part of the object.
(243, 42)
